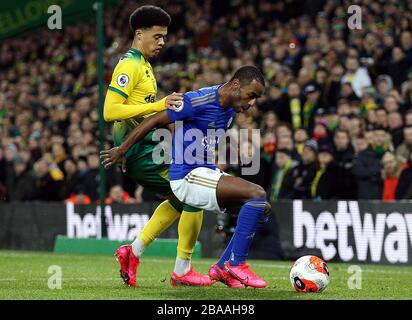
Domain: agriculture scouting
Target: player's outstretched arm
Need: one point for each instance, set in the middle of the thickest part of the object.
(116, 109)
(114, 155)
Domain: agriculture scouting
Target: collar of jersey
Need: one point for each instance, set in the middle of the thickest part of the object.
(137, 53)
(217, 94)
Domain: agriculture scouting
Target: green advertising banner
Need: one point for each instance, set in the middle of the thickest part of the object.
(18, 16)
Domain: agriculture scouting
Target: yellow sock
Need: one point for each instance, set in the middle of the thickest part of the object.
(164, 215)
(189, 227)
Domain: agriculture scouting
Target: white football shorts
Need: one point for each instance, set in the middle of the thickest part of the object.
(198, 188)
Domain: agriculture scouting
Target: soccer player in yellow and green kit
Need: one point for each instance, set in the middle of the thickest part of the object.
(130, 98)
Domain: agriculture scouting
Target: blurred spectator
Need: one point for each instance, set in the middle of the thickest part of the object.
(269, 144)
(381, 118)
(305, 171)
(269, 122)
(333, 85)
(78, 196)
(283, 181)
(118, 195)
(408, 118)
(381, 141)
(59, 155)
(283, 130)
(347, 92)
(392, 168)
(324, 184)
(398, 66)
(404, 150)
(384, 84)
(286, 142)
(357, 76)
(22, 182)
(270, 103)
(343, 153)
(390, 104)
(300, 138)
(291, 107)
(90, 179)
(311, 104)
(367, 171)
(47, 181)
(71, 178)
(356, 127)
(404, 187)
(321, 133)
(395, 128)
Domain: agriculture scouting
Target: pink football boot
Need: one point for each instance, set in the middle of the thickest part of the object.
(128, 264)
(244, 274)
(191, 278)
(219, 274)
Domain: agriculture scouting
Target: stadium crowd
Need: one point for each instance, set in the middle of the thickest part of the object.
(336, 122)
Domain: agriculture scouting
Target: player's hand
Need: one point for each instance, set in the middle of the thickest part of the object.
(267, 214)
(174, 101)
(268, 208)
(110, 157)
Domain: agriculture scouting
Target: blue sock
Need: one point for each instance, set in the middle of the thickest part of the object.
(226, 254)
(228, 250)
(248, 222)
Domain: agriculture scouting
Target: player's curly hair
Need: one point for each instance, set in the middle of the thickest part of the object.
(147, 17)
(246, 74)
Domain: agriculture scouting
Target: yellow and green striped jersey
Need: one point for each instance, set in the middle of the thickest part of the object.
(132, 78)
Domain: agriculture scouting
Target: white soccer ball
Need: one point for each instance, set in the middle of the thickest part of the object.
(309, 274)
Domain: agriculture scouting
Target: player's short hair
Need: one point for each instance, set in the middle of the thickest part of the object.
(147, 17)
(247, 74)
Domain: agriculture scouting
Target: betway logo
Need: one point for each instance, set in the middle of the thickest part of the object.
(380, 233)
(119, 227)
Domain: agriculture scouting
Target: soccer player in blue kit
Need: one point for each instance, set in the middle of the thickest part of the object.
(194, 177)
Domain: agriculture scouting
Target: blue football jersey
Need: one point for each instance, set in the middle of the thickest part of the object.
(199, 126)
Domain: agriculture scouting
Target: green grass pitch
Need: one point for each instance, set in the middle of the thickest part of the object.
(24, 275)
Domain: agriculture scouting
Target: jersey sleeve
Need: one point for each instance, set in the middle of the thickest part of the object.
(125, 77)
(184, 113)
